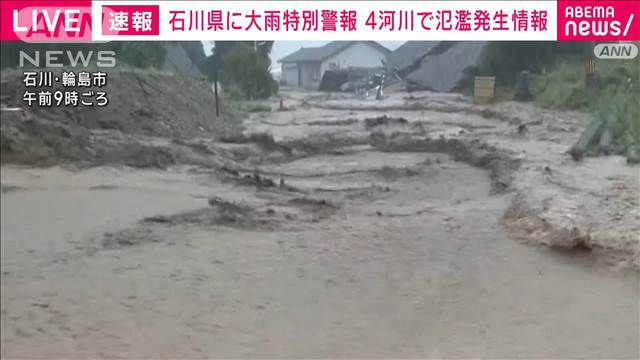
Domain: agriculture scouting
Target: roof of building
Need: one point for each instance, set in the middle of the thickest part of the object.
(410, 53)
(445, 66)
(323, 52)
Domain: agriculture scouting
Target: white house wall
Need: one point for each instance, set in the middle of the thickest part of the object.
(290, 74)
(311, 75)
(359, 54)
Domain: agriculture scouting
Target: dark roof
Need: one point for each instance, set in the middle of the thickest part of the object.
(410, 53)
(323, 52)
(445, 65)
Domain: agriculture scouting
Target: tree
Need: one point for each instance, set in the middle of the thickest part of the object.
(505, 59)
(243, 67)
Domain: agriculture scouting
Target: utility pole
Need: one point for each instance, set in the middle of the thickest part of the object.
(216, 69)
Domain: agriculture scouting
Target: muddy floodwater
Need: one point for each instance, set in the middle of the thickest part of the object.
(356, 253)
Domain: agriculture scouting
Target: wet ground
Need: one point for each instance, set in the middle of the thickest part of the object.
(341, 240)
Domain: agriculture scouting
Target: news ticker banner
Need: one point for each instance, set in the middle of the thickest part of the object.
(97, 20)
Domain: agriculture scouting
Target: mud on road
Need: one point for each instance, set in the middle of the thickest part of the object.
(344, 230)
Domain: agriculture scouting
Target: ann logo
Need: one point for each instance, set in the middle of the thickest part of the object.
(616, 51)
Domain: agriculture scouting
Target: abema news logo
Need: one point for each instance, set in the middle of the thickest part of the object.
(598, 20)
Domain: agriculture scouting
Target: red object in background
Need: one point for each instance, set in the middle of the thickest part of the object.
(598, 20)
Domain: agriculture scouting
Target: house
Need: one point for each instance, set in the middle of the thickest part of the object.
(439, 66)
(305, 67)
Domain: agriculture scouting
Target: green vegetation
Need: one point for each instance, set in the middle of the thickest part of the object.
(558, 81)
(505, 59)
(564, 87)
(252, 107)
(243, 69)
(141, 54)
(246, 73)
(615, 99)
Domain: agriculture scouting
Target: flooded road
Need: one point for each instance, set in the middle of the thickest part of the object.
(350, 253)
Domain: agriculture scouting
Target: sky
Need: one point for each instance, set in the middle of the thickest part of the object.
(284, 48)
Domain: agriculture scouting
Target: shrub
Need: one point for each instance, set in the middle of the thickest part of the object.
(562, 88)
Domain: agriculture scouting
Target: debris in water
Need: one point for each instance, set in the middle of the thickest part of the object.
(384, 120)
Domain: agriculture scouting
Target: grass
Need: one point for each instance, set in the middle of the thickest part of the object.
(253, 107)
